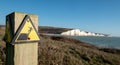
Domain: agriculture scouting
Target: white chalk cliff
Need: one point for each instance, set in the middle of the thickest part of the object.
(77, 32)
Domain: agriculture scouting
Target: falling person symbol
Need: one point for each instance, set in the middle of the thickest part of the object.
(30, 29)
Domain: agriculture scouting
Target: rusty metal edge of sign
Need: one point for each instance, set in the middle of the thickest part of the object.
(20, 28)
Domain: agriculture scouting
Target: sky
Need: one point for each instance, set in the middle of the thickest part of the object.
(100, 16)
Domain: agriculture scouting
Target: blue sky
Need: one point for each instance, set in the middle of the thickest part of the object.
(101, 16)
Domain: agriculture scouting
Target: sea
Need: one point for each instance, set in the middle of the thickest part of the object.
(100, 41)
(104, 42)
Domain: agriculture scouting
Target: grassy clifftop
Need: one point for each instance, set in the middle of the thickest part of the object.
(65, 51)
(52, 30)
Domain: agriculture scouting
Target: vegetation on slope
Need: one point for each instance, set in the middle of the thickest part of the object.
(65, 51)
(52, 30)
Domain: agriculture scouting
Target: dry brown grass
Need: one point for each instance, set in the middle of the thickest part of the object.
(65, 51)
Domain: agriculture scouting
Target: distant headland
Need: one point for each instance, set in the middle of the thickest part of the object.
(67, 31)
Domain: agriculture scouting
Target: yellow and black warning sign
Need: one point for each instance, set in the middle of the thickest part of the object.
(26, 32)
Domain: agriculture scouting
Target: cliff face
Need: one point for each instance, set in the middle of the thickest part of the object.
(77, 32)
(66, 31)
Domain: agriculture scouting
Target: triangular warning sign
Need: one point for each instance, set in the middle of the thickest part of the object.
(26, 32)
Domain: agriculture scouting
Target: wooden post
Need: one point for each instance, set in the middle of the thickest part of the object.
(20, 54)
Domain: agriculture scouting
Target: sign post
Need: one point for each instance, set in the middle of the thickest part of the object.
(21, 39)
